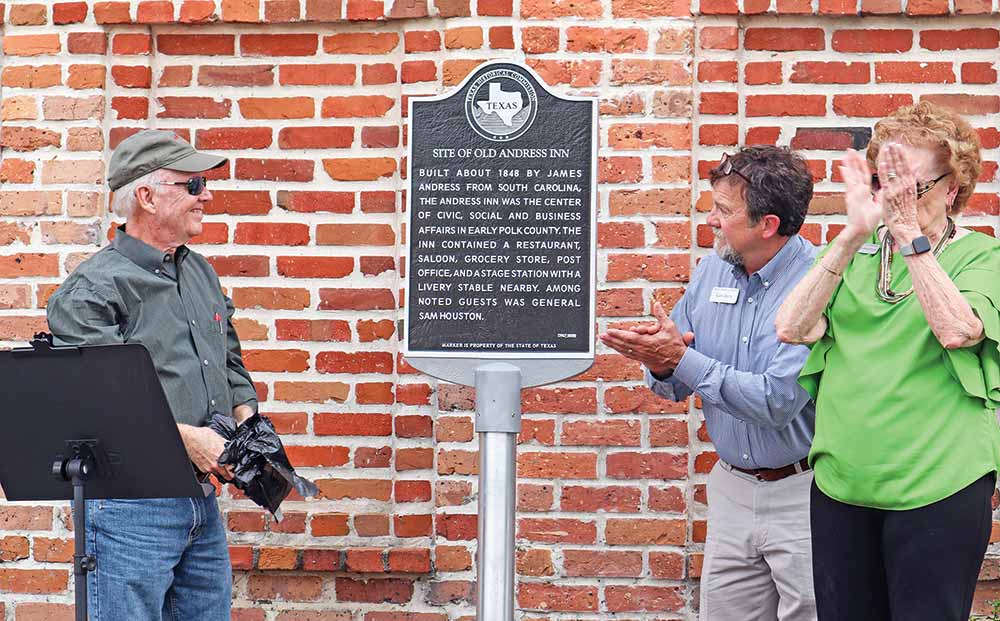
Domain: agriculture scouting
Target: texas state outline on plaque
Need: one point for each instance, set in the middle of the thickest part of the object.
(505, 104)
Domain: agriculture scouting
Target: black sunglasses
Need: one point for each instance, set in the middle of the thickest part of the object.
(195, 185)
(726, 168)
(922, 188)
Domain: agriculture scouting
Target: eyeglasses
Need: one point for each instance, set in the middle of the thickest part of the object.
(726, 168)
(195, 185)
(922, 188)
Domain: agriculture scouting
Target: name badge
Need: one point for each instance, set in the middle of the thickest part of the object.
(724, 295)
(868, 248)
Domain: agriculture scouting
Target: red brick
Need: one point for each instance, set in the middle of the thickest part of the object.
(271, 298)
(393, 591)
(359, 168)
(356, 299)
(196, 44)
(357, 106)
(914, 72)
(247, 75)
(365, 10)
(617, 499)
(193, 108)
(966, 104)
(979, 73)
(869, 105)
(540, 596)
(274, 169)
(379, 73)
(112, 13)
(233, 138)
(276, 107)
(651, 465)
(361, 43)
(830, 73)
(645, 531)
(35, 581)
(965, 39)
(278, 44)
(927, 7)
(155, 12)
(670, 72)
(69, 12)
(354, 362)
(131, 77)
(318, 74)
(784, 39)
(601, 563)
(312, 330)
(270, 586)
(643, 598)
(175, 75)
(786, 105)
(281, 11)
(872, 40)
(31, 45)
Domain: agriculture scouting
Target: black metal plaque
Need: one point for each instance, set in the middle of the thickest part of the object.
(502, 209)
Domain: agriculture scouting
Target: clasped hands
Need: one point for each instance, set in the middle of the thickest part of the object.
(658, 345)
(894, 203)
(204, 446)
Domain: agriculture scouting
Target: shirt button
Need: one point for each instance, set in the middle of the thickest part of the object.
(750, 300)
(192, 322)
(767, 284)
(206, 362)
(156, 271)
(213, 402)
(744, 339)
(745, 456)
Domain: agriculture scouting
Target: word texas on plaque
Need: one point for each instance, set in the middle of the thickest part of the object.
(501, 210)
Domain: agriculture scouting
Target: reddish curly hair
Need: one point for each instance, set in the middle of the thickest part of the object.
(928, 125)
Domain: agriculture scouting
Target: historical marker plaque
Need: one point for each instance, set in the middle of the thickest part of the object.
(501, 211)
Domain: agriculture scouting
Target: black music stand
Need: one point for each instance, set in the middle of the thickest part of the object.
(88, 422)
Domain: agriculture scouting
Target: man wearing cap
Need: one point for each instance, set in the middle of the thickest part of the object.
(720, 343)
(164, 557)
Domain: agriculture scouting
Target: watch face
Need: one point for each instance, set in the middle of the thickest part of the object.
(921, 245)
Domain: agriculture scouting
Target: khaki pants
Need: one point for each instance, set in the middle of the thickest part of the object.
(758, 556)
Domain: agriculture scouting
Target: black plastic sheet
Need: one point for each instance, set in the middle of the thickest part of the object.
(261, 469)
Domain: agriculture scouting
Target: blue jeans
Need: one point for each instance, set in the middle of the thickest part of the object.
(158, 559)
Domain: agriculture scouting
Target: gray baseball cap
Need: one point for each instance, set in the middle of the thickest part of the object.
(153, 149)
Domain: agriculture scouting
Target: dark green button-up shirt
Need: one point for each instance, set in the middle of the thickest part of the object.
(130, 292)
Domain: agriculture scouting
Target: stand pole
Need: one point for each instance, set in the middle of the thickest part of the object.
(498, 421)
(76, 471)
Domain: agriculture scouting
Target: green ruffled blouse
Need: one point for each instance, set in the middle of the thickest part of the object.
(902, 422)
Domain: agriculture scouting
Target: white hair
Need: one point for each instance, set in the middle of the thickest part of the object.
(124, 201)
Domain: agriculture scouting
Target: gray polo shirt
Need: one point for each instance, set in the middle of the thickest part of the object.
(130, 292)
(756, 413)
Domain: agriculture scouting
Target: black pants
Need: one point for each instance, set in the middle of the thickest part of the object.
(916, 565)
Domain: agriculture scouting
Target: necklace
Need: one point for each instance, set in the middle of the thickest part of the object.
(885, 264)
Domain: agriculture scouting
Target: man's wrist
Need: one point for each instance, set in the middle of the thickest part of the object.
(660, 372)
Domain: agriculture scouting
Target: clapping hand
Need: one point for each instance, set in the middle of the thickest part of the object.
(863, 209)
(659, 345)
(899, 192)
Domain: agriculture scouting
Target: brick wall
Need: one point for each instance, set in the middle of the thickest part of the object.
(307, 99)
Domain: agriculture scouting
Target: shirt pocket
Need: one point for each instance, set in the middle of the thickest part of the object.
(214, 331)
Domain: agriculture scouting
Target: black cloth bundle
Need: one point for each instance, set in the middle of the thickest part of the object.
(260, 466)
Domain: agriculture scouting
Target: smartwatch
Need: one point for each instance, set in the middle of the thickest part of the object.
(919, 245)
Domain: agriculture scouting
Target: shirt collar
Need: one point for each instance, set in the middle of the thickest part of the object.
(774, 268)
(142, 254)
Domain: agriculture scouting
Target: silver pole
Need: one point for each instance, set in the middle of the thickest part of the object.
(498, 421)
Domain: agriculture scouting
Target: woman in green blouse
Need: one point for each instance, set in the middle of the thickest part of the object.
(902, 311)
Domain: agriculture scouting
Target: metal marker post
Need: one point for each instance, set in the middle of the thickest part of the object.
(498, 421)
